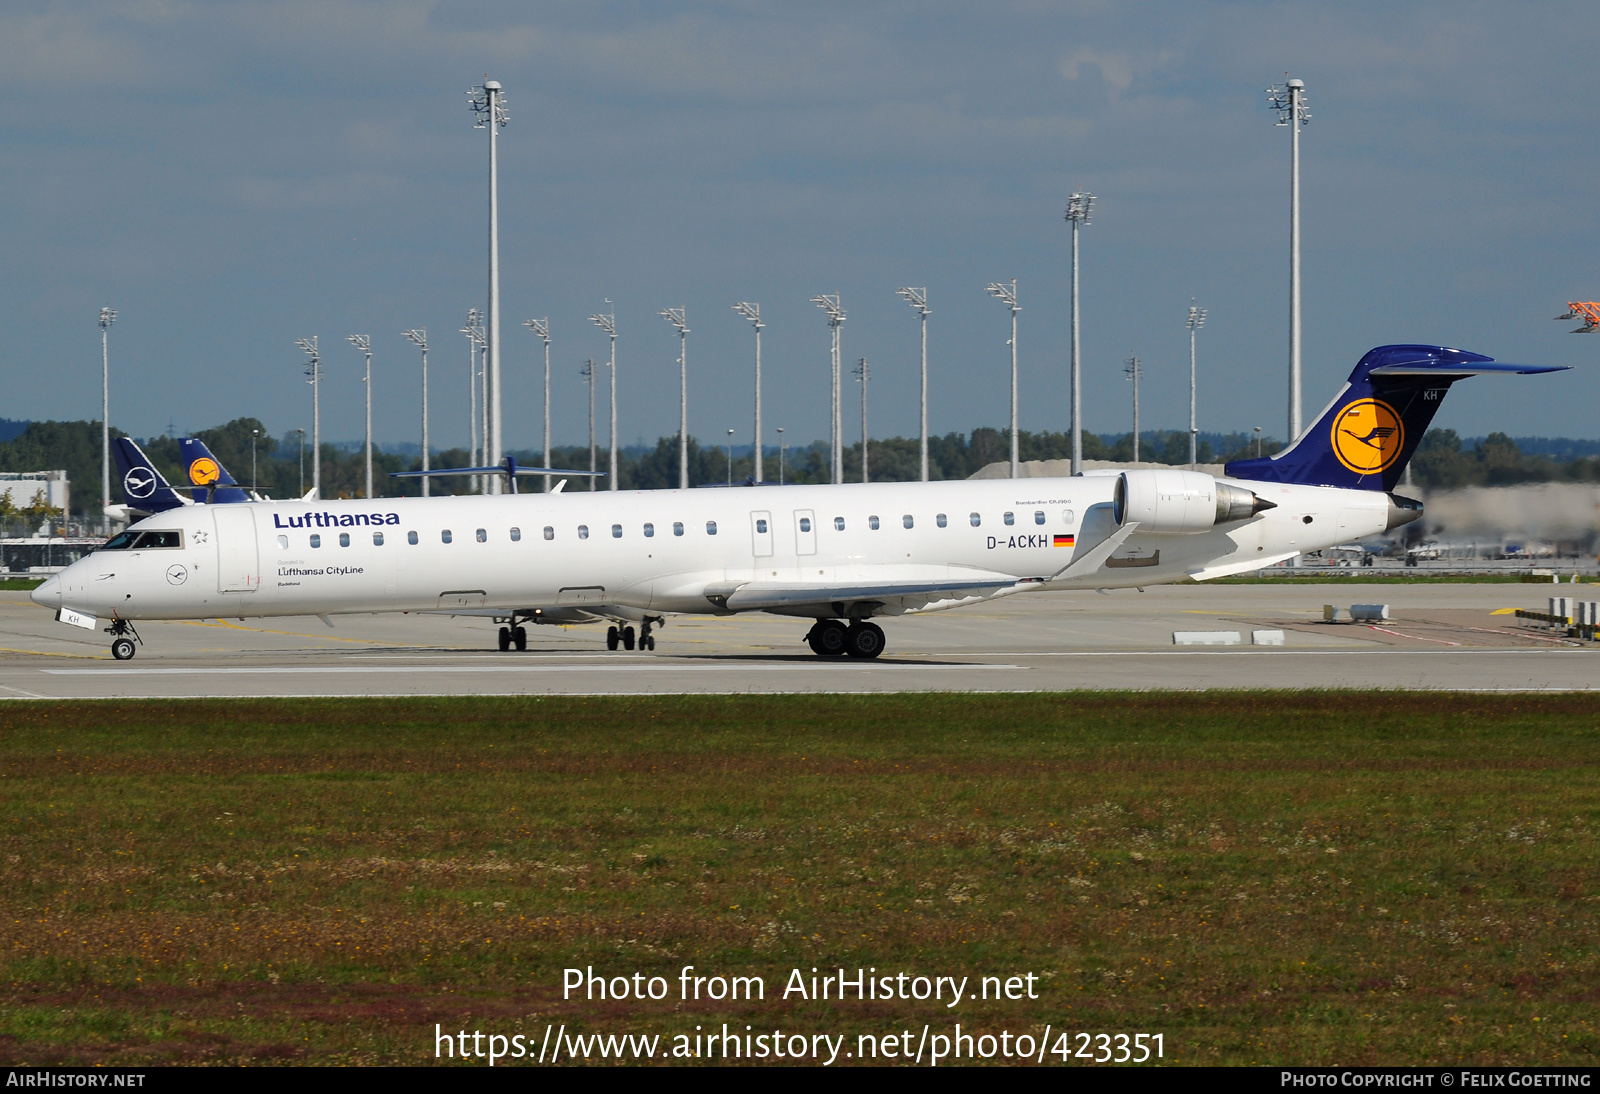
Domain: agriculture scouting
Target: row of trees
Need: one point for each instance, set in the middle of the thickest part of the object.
(283, 466)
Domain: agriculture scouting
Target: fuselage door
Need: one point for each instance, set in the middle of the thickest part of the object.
(805, 532)
(238, 560)
(761, 534)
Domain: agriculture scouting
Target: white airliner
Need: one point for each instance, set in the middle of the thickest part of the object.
(838, 555)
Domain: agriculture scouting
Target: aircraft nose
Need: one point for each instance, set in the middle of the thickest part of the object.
(48, 594)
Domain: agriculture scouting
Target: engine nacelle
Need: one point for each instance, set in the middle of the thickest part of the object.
(1181, 502)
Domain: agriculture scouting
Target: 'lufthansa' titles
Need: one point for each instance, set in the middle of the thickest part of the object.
(333, 520)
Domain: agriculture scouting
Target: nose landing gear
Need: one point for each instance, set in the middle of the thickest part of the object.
(122, 647)
(831, 638)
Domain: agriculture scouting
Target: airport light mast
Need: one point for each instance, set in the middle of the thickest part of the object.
(831, 305)
(1196, 320)
(541, 327)
(862, 372)
(419, 336)
(107, 317)
(1007, 294)
(607, 323)
(1289, 100)
(587, 372)
(474, 332)
(1133, 370)
(918, 299)
(1079, 207)
(314, 378)
(752, 312)
(363, 342)
(488, 102)
(678, 317)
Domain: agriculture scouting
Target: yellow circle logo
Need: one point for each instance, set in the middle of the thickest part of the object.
(1368, 436)
(204, 472)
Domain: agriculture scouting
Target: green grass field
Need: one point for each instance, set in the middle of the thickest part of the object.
(1260, 878)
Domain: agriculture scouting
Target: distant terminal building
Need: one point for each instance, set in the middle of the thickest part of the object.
(22, 486)
(39, 552)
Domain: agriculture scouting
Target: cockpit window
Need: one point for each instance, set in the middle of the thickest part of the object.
(120, 542)
(148, 540)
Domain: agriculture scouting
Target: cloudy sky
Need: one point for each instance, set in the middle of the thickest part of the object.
(233, 176)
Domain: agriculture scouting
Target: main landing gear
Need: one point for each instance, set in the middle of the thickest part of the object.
(516, 636)
(122, 647)
(831, 638)
(624, 636)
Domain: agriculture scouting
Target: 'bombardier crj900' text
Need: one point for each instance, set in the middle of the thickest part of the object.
(839, 555)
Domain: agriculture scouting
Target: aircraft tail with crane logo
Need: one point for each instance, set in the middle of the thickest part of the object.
(1367, 434)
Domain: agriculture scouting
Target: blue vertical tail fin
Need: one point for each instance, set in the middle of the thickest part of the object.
(203, 470)
(145, 488)
(1366, 435)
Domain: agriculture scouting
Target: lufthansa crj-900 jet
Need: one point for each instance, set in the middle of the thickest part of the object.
(840, 555)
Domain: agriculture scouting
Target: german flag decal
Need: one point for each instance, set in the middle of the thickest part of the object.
(1065, 541)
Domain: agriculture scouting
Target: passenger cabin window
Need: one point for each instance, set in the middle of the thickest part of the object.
(283, 543)
(907, 521)
(805, 524)
(1038, 516)
(677, 527)
(711, 527)
(1010, 518)
(616, 531)
(549, 532)
(483, 535)
(977, 521)
(516, 535)
(316, 540)
(649, 531)
(411, 538)
(872, 522)
(344, 539)
(583, 531)
(377, 539)
(761, 527)
(941, 520)
(444, 536)
(838, 524)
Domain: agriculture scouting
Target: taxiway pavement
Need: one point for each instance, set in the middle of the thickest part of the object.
(1440, 636)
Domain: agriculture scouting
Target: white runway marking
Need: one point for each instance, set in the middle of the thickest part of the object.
(277, 670)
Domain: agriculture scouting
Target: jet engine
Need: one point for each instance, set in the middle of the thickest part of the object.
(1181, 502)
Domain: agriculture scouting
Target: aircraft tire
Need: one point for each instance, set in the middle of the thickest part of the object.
(864, 640)
(123, 649)
(628, 638)
(505, 639)
(519, 637)
(828, 638)
(648, 642)
(613, 638)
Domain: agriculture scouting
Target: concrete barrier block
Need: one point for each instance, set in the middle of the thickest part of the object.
(1266, 638)
(1206, 638)
(1330, 614)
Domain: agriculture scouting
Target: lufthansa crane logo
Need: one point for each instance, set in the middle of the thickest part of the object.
(139, 482)
(204, 471)
(1368, 436)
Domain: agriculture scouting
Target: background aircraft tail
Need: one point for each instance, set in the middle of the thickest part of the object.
(202, 469)
(145, 488)
(1366, 435)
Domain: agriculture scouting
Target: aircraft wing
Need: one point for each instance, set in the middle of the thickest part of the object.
(910, 594)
